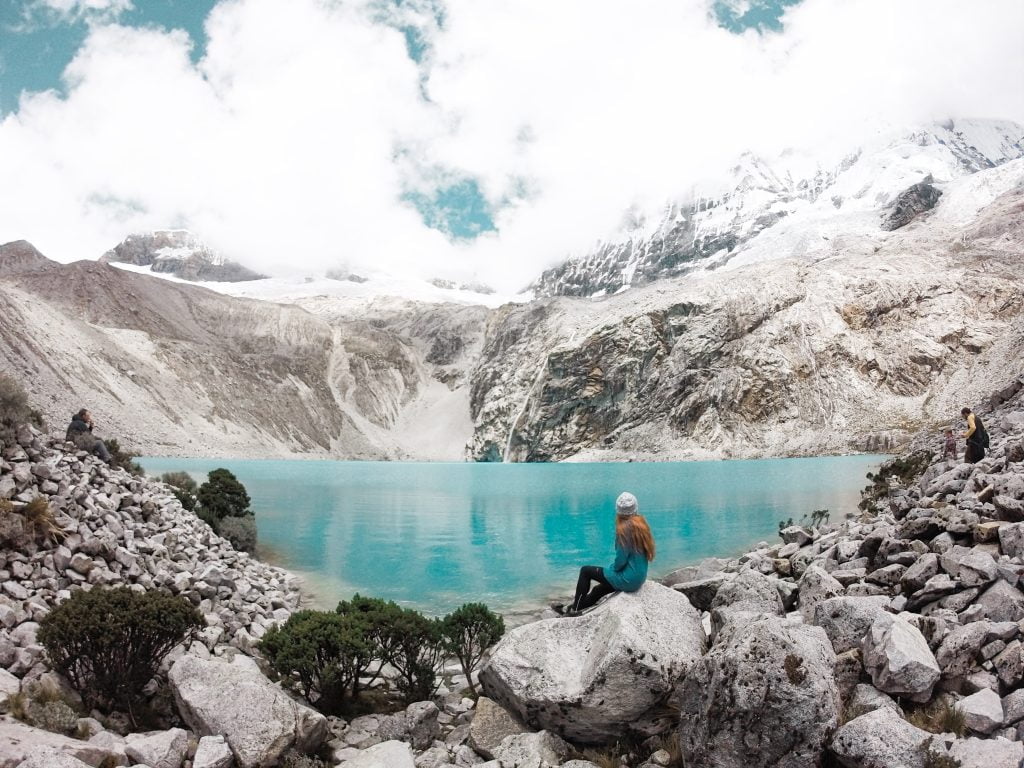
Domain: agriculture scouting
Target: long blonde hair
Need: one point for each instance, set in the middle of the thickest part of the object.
(633, 533)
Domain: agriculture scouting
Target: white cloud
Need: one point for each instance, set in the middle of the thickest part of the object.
(291, 143)
(74, 10)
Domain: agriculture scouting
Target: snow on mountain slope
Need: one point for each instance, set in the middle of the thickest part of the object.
(792, 205)
(179, 253)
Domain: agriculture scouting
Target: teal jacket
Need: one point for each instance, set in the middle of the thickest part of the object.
(628, 572)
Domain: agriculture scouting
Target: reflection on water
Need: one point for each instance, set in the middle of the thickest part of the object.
(435, 536)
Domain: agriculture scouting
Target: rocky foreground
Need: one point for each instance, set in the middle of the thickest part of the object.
(891, 639)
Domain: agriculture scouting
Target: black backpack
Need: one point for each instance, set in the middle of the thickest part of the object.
(982, 433)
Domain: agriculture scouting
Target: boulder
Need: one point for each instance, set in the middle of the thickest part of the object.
(1002, 602)
(867, 698)
(764, 695)
(491, 723)
(701, 592)
(48, 757)
(18, 741)
(579, 676)
(1011, 539)
(159, 749)
(387, 754)
(983, 711)
(530, 750)
(9, 686)
(880, 739)
(987, 753)
(417, 725)
(958, 650)
(977, 569)
(235, 700)
(816, 586)
(748, 594)
(898, 658)
(847, 619)
(917, 575)
(213, 752)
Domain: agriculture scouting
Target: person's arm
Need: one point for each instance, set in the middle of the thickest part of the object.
(621, 558)
(970, 426)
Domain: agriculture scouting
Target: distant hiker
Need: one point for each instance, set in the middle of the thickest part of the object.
(634, 549)
(976, 437)
(949, 448)
(80, 433)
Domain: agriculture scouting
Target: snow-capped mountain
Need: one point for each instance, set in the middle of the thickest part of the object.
(791, 205)
(180, 253)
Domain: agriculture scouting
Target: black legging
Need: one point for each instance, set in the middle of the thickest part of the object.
(586, 597)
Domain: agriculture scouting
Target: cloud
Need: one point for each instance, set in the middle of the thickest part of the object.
(76, 10)
(299, 138)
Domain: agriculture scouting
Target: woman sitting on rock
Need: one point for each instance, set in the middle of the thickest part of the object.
(634, 549)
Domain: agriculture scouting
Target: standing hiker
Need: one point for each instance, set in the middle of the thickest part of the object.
(976, 437)
(634, 549)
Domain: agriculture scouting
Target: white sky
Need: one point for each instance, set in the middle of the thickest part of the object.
(292, 142)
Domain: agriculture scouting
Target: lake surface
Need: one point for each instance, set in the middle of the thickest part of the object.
(434, 536)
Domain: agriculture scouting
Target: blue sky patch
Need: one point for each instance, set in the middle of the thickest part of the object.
(458, 209)
(740, 15)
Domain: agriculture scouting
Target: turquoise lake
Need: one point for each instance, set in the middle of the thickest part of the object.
(434, 536)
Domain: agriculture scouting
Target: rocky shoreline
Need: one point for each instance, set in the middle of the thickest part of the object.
(895, 637)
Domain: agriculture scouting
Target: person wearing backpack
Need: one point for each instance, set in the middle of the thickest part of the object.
(976, 437)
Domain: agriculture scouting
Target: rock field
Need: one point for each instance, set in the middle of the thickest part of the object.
(857, 643)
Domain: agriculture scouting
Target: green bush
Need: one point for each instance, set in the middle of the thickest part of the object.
(14, 410)
(110, 642)
(183, 487)
(223, 496)
(123, 459)
(240, 531)
(417, 652)
(325, 653)
(468, 632)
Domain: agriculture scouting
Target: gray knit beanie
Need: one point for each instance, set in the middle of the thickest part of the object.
(626, 505)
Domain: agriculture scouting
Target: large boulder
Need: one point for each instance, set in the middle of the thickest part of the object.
(387, 754)
(743, 597)
(19, 741)
(595, 677)
(532, 750)
(490, 725)
(235, 700)
(816, 586)
(764, 695)
(847, 619)
(160, 749)
(898, 658)
(987, 753)
(48, 757)
(881, 739)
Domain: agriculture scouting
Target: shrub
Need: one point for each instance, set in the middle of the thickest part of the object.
(468, 632)
(376, 618)
(39, 520)
(941, 715)
(110, 642)
(325, 653)
(240, 531)
(416, 652)
(14, 409)
(119, 457)
(223, 496)
(183, 487)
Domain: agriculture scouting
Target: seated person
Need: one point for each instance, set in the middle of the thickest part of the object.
(80, 433)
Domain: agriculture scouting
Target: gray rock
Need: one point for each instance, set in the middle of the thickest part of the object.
(491, 723)
(816, 586)
(765, 694)
(847, 619)
(957, 653)
(159, 749)
(18, 741)
(1011, 539)
(917, 575)
(213, 752)
(880, 739)
(977, 569)
(1009, 663)
(527, 750)
(48, 757)
(987, 753)
(898, 658)
(259, 721)
(9, 686)
(1002, 602)
(578, 676)
(701, 592)
(867, 698)
(795, 534)
(1013, 707)
(983, 711)
(387, 754)
(749, 593)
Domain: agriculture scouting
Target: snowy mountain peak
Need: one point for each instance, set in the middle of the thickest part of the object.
(770, 208)
(179, 253)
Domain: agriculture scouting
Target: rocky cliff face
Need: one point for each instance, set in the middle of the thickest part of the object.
(179, 253)
(844, 339)
(732, 216)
